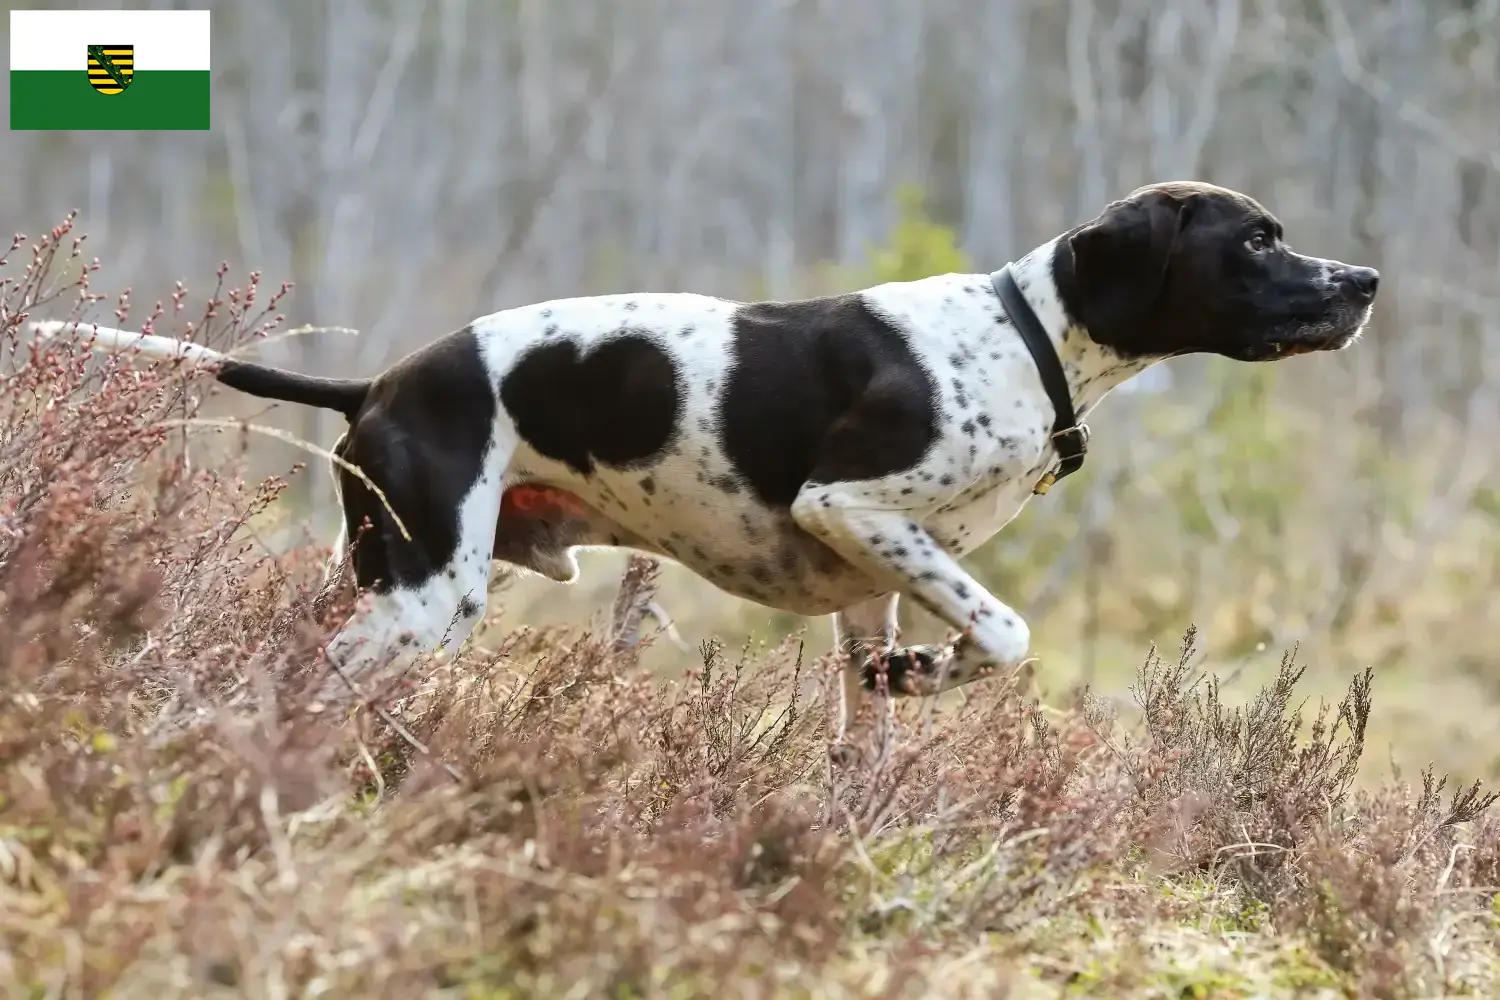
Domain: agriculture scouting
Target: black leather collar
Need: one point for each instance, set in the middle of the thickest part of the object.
(1069, 437)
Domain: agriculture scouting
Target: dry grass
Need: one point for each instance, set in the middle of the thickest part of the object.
(547, 817)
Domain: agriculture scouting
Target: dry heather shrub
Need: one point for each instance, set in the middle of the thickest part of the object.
(133, 604)
(1233, 790)
(1387, 895)
(988, 822)
(1392, 890)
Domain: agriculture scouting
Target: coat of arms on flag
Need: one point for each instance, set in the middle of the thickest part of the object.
(111, 67)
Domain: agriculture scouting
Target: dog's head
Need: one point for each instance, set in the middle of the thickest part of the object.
(1188, 268)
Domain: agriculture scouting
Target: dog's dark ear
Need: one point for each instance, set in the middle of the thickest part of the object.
(1120, 265)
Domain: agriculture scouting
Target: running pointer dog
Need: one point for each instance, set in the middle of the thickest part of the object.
(821, 457)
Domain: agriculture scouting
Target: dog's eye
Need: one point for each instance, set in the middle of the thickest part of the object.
(1257, 242)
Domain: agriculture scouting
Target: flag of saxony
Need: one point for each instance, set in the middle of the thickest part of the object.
(136, 70)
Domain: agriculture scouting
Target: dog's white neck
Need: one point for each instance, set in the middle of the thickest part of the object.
(1092, 369)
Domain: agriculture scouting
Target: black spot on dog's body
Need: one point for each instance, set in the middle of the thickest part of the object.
(421, 437)
(961, 398)
(616, 405)
(822, 391)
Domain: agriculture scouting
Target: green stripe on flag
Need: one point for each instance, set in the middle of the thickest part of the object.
(63, 99)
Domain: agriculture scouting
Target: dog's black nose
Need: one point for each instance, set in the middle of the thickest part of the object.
(1362, 281)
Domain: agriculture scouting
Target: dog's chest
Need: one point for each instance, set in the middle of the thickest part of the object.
(985, 507)
(995, 470)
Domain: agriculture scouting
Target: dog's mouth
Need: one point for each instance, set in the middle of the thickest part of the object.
(1311, 344)
(1334, 333)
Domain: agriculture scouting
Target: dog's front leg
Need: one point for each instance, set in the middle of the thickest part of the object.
(894, 548)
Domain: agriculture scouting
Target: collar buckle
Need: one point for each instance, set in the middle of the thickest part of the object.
(1082, 430)
(1069, 458)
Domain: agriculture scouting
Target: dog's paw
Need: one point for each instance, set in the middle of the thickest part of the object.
(911, 670)
(843, 755)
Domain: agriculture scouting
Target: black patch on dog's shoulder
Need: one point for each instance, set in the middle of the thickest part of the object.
(617, 404)
(823, 391)
(421, 437)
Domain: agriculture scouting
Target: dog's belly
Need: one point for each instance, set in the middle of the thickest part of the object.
(745, 549)
(762, 555)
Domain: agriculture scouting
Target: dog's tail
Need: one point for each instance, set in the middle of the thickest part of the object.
(341, 394)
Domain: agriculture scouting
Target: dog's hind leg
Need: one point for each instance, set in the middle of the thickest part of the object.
(861, 632)
(428, 592)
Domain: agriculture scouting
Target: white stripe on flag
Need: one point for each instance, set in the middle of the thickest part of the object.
(59, 39)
